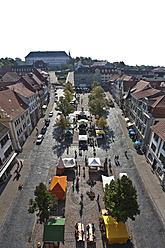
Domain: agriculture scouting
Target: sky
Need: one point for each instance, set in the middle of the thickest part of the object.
(113, 30)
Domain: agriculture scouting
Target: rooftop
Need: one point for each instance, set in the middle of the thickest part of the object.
(47, 54)
(159, 129)
(3, 130)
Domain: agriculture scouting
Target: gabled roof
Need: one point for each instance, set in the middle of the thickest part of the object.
(141, 85)
(21, 90)
(146, 93)
(159, 102)
(114, 77)
(12, 104)
(47, 54)
(159, 129)
(3, 130)
(10, 77)
(60, 181)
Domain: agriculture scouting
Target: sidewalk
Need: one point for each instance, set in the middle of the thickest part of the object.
(150, 180)
(11, 188)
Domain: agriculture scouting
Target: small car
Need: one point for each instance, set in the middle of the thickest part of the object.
(55, 93)
(39, 139)
(51, 114)
(43, 130)
(47, 122)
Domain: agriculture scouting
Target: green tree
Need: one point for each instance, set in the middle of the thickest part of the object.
(62, 123)
(120, 198)
(64, 106)
(69, 87)
(95, 84)
(102, 122)
(98, 106)
(43, 203)
(97, 92)
(68, 95)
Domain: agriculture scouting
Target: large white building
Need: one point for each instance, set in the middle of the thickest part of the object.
(52, 59)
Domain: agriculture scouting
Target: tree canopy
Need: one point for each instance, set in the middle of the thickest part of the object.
(95, 84)
(69, 86)
(102, 122)
(64, 106)
(120, 198)
(98, 104)
(68, 95)
(44, 202)
(62, 123)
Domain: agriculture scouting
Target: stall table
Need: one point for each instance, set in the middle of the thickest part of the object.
(81, 236)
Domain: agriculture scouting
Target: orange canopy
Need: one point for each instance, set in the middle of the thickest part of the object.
(58, 187)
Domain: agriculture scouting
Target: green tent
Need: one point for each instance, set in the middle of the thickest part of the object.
(54, 230)
(68, 132)
(82, 123)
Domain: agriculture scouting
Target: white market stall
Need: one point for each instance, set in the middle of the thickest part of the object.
(107, 180)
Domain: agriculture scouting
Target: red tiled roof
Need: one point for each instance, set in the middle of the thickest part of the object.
(141, 85)
(145, 93)
(159, 129)
(12, 104)
(10, 77)
(21, 90)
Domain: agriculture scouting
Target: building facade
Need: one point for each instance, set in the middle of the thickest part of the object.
(7, 154)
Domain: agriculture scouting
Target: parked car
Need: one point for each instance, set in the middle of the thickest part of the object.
(51, 114)
(43, 130)
(39, 139)
(55, 93)
(47, 121)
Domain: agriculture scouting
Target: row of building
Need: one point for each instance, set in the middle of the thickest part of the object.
(141, 96)
(23, 100)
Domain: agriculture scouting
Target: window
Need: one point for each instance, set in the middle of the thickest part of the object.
(163, 147)
(7, 153)
(24, 125)
(162, 159)
(4, 140)
(150, 157)
(153, 147)
(26, 113)
(156, 137)
(22, 117)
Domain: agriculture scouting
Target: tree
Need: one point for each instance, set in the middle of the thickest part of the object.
(62, 123)
(97, 92)
(64, 106)
(44, 202)
(102, 122)
(95, 84)
(120, 198)
(68, 95)
(69, 87)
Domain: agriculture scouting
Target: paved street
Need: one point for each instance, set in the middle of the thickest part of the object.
(147, 230)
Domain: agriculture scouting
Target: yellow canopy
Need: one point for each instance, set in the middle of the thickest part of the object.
(115, 232)
(100, 132)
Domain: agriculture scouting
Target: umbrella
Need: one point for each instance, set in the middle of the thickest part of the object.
(130, 130)
(132, 133)
(137, 143)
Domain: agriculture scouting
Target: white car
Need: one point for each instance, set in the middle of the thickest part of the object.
(50, 114)
(39, 139)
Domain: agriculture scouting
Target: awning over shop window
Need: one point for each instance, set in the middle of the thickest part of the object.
(6, 165)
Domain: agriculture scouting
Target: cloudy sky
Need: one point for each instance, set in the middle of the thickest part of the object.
(121, 30)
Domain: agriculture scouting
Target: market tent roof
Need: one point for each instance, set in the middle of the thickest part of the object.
(44, 106)
(107, 180)
(84, 120)
(68, 132)
(58, 186)
(115, 232)
(127, 119)
(54, 230)
(100, 132)
(82, 123)
(69, 162)
(60, 164)
(129, 124)
(94, 162)
(83, 138)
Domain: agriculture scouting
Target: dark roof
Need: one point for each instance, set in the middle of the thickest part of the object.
(47, 54)
(159, 129)
(3, 130)
(54, 230)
